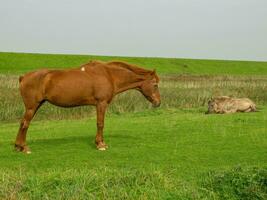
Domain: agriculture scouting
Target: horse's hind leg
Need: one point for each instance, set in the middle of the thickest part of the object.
(20, 144)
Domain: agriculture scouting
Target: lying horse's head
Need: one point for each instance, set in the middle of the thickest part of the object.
(149, 88)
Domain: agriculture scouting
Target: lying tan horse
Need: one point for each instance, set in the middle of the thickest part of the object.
(95, 83)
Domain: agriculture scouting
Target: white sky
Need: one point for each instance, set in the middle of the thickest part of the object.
(212, 29)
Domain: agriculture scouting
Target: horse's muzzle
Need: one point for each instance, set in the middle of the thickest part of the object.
(156, 104)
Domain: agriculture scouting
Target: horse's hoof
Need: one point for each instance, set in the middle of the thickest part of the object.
(23, 149)
(101, 148)
(27, 152)
(17, 148)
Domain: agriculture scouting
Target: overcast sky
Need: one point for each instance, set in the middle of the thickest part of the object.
(212, 29)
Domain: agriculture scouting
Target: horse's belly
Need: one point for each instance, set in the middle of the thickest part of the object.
(70, 101)
(64, 95)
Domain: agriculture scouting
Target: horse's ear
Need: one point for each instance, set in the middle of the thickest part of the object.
(154, 75)
(153, 72)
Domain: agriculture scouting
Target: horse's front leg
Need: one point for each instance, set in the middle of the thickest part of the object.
(99, 140)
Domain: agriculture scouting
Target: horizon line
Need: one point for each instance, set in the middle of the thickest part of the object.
(125, 56)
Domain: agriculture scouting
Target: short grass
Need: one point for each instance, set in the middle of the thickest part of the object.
(168, 151)
(22, 62)
(175, 152)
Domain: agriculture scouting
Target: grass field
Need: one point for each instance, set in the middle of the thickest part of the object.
(174, 152)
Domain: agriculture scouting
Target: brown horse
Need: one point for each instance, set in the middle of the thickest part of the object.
(95, 83)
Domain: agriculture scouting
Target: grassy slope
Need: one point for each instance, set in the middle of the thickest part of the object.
(22, 62)
(158, 140)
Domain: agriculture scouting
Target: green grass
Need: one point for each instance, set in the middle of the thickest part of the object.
(182, 144)
(22, 62)
(136, 137)
(175, 152)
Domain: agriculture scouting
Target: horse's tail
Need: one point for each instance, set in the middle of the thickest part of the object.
(253, 107)
(20, 78)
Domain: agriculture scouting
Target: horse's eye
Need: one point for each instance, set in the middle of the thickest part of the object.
(156, 86)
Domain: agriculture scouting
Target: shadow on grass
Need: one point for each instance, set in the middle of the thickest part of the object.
(64, 141)
(76, 140)
(67, 144)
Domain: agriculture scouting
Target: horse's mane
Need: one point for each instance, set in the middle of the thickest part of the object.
(131, 67)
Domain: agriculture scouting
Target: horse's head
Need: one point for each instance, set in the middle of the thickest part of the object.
(212, 106)
(150, 89)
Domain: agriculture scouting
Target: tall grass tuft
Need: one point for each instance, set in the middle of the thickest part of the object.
(177, 91)
(237, 183)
